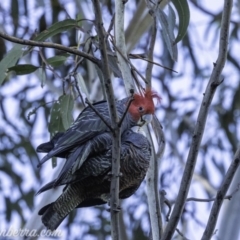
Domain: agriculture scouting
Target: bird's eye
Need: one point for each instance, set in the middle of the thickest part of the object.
(141, 109)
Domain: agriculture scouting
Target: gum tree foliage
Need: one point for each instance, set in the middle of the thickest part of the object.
(43, 86)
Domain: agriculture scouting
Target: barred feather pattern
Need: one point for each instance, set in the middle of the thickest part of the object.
(89, 184)
(89, 125)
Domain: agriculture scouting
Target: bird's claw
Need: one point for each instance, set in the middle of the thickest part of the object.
(115, 209)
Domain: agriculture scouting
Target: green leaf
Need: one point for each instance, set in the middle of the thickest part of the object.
(66, 107)
(10, 60)
(55, 124)
(56, 28)
(15, 15)
(167, 33)
(23, 69)
(61, 118)
(82, 84)
(184, 17)
(42, 75)
(57, 60)
(17, 51)
(79, 18)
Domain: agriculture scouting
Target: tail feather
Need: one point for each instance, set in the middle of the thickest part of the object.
(45, 147)
(44, 209)
(46, 187)
(48, 146)
(51, 218)
(54, 213)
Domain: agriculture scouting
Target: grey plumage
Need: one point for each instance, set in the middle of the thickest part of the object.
(88, 125)
(88, 183)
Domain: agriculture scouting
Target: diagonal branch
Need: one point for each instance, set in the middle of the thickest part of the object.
(126, 110)
(120, 44)
(150, 53)
(98, 114)
(212, 220)
(201, 121)
(152, 177)
(49, 45)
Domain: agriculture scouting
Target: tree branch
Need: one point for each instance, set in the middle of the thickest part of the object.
(153, 196)
(98, 114)
(201, 121)
(152, 188)
(114, 203)
(228, 197)
(49, 45)
(212, 220)
(127, 108)
(150, 53)
(120, 43)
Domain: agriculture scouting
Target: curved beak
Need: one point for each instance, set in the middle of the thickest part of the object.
(145, 119)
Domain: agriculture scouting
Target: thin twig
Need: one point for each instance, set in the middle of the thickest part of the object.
(129, 62)
(229, 197)
(192, 199)
(212, 220)
(126, 110)
(137, 56)
(163, 199)
(50, 45)
(214, 81)
(36, 108)
(111, 24)
(97, 113)
(181, 234)
(73, 73)
(51, 69)
(78, 89)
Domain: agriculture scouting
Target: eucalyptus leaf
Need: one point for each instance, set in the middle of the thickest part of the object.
(42, 75)
(184, 18)
(17, 51)
(66, 108)
(56, 124)
(56, 28)
(10, 60)
(171, 17)
(167, 33)
(57, 60)
(82, 84)
(23, 69)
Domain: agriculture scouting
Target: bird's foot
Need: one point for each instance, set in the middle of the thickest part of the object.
(115, 209)
(110, 175)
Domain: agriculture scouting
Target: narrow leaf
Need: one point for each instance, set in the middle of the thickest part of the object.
(82, 85)
(57, 60)
(15, 15)
(184, 17)
(55, 124)
(10, 60)
(23, 69)
(42, 75)
(56, 28)
(17, 51)
(113, 64)
(66, 108)
(157, 128)
(167, 33)
(171, 17)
